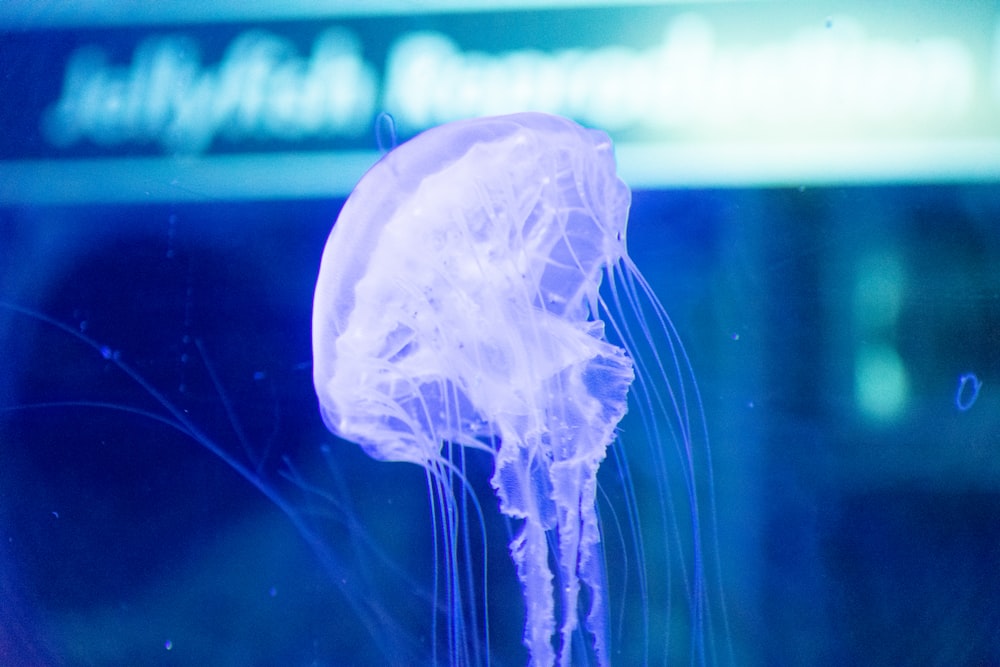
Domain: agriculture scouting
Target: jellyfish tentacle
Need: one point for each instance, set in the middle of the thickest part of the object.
(529, 550)
(600, 386)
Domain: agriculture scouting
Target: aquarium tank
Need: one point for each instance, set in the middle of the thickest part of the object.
(520, 332)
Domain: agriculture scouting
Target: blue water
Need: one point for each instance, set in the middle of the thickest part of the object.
(845, 535)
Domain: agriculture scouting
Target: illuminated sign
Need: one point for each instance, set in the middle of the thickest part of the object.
(261, 89)
(817, 78)
(691, 96)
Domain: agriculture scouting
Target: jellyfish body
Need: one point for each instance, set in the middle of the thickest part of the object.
(458, 302)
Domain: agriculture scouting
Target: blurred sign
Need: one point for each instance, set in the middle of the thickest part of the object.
(716, 94)
(260, 90)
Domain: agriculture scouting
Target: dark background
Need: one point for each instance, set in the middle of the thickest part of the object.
(844, 539)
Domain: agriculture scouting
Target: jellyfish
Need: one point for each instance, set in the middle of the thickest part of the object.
(459, 304)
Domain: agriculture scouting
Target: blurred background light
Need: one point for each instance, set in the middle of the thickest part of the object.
(694, 94)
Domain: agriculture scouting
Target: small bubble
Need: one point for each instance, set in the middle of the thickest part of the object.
(385, 132)
(272, 591)
(968, 391)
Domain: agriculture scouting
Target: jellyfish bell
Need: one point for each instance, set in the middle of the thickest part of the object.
(454, 237)
(459, 302)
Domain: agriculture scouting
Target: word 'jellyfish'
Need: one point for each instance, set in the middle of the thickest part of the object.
(458, 304)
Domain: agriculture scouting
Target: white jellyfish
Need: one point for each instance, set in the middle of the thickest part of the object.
(459, 303)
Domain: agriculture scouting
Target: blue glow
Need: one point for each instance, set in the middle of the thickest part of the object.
(968, 391)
